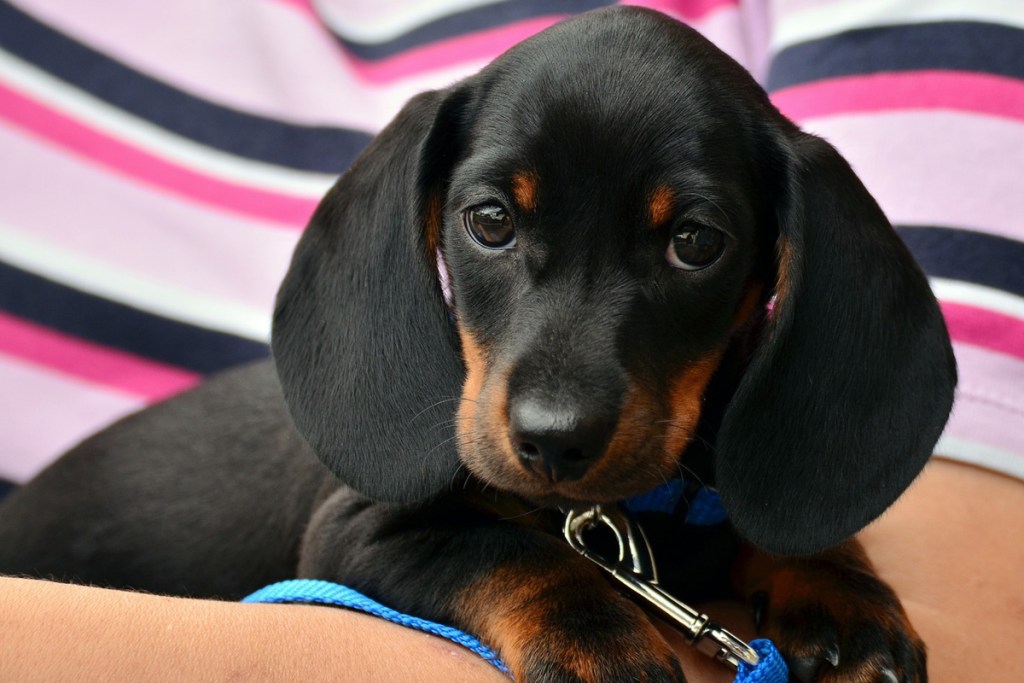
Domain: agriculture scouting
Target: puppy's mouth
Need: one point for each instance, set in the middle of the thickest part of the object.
(615, 475)
(555, 461)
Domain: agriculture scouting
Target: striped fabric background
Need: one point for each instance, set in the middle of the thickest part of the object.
(158, 162)
(926, 100)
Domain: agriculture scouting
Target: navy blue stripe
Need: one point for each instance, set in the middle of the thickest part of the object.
(115, 325)
(311, 148)
(964, 46)
(5, 488)
(469, 21)
(975, 257)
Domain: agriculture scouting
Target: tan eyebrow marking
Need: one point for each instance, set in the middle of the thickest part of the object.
(661, 204)
(524, 190)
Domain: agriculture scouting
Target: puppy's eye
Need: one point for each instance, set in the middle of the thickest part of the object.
(490, 226)
(695, 246)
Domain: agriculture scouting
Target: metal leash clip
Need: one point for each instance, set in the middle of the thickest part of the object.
(634, 568)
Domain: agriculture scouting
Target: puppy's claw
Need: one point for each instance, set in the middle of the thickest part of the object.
(831, 654)
(811, 667)
(759, 604)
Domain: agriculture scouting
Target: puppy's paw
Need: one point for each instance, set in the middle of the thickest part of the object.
(852, 631)
(576, 657)
(598, 646)
(564, 623)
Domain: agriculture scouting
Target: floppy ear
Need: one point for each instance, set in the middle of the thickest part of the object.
(853, 380)
(367, 357)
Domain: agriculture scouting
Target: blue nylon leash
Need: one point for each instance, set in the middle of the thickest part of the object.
(705, 509)
(313, 591)
(770, 668)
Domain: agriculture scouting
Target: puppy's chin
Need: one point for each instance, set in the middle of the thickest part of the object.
(606, 482)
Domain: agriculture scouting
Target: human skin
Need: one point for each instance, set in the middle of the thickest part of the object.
(950, 547)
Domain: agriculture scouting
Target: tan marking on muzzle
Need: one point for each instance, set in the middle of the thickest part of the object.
(482, 415)
(631, 429)
(685, 397)
(472, 386)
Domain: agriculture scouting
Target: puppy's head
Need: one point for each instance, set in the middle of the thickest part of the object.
(601, 227)
(612, 204)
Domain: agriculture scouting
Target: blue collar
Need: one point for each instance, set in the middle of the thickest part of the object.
(704, 504)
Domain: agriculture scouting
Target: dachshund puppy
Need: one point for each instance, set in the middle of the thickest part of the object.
(602, 262)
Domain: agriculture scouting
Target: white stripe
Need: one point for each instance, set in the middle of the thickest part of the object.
(830, 18)
(955, 448)
(384, 20)
(160, 298)
(95, 113)
(979, 296)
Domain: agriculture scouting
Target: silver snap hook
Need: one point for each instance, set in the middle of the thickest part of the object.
(635, 569)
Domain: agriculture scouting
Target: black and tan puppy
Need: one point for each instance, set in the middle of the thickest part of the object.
(604, 260)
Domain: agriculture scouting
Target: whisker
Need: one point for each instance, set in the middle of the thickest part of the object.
(454, 399)
(523, 514)
(434, 405)
(455, 475)
(684, 470)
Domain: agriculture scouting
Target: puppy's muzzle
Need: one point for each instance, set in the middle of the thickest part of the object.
(556, 441)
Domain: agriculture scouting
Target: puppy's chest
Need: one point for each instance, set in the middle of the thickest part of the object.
(694, 561)
(692, 544)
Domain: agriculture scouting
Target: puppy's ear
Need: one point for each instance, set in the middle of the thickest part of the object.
(366, 354)
(853, 380)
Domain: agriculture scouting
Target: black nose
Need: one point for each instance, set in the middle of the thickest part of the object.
(556, 442)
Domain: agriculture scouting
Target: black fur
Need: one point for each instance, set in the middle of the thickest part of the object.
(855, 372)
(811, 419)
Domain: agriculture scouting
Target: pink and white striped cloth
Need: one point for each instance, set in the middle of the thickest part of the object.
(159, 160)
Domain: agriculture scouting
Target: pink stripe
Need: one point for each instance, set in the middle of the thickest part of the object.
(64, 131)
(980, 93)
(984, 328)
(85, 360)
(936, 167)
(687, 10)
(302, 5)
(45, 414)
